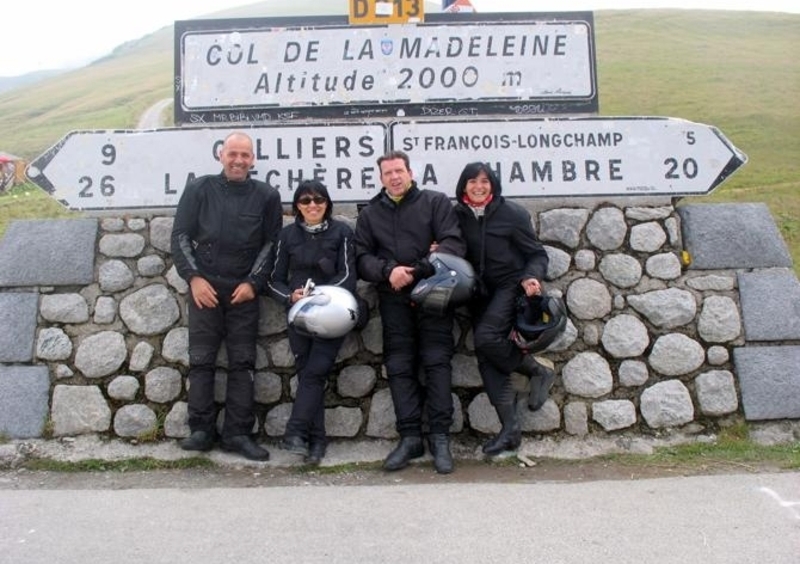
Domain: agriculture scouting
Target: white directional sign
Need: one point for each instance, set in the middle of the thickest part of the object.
(284, 69)
(97, 170)
(634, 156)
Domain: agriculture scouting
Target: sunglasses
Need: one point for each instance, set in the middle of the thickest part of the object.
(305, 200)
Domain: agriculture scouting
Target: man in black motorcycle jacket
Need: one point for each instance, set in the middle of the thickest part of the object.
(224, 228)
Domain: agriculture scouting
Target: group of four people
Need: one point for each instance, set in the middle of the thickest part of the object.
(228, 242)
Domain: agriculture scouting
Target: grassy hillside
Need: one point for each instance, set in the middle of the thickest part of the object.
(734, 70)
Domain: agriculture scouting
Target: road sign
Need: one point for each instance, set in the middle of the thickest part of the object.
(370, 12)
(98, 170)
(630, 156)
(453, 65)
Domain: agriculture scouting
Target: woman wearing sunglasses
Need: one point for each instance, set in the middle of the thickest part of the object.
(318, 248)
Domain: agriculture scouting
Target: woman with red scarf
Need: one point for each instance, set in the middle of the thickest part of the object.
(509, 261)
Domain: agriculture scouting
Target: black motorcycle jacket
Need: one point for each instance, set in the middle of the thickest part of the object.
(223, 230)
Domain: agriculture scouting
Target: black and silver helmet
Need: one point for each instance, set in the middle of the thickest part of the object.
(327, 312)
(451, 284)
(540, 319)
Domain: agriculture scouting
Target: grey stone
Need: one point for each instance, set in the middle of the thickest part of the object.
(48, 252)
(150, 265)
(53, 344)
(722, 236)
(613, 415)
(343, 421)
(162, 384)
(136, 223)
(606, 229)
(559, 262)
(563, 226)
(588, 375)
(666, 404)
(277, 417)
(648, 214)
(63, 371)
(719, 320)
(666, 308)
(24, 395)
(179, 284)
(125, 245)
(267, 387)
(588, 299)
(576, 419)
(140, 357)
(465, 372)
(621, 270)
(372, 336)
(711, 282)
(176, 346)
(632, 373)
(281, 354)
(105, 310)
(625, 336)
(114, 276)
(647, 237)
(716, 393)
(769, 379)
(149, 311)
(381, 419)
(717, 355)
(482, 415)
(161, 233)
(17, 326)
(585, 260)
(272, 317)
(112, 224)
(123, 388)
(64, 308)
(666, 266)
(356, 381)
(134, 421)
(176, 423)
(770, 305)
(78, 410)
(101, 354)
(544, 420)
(676, 354)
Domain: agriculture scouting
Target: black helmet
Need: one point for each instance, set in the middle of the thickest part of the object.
(540, 319)
(451, 284)
(327, 312)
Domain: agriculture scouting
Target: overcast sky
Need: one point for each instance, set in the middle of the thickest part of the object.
(52, 34)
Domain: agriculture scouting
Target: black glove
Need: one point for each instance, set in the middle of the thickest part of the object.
(423, 269)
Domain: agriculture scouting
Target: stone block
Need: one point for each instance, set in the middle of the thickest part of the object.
(720, 236)
(48, 252)
(769, 379)
(770, 305)
(17, 326)
(24, 395)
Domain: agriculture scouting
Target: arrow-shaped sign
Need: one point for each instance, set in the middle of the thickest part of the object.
(98, 170)
(630, 156)
(534, 158)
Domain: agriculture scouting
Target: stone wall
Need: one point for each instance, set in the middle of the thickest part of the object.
(679, 317)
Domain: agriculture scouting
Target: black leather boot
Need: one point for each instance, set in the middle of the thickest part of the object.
(199, 440)
(527, 366)
(510, 436)
(540, 383)
(409, 447)
(439, 444)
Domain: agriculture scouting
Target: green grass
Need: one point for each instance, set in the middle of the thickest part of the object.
(127, 465)
(733, 70)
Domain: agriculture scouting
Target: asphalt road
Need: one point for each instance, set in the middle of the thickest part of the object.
(730, 519)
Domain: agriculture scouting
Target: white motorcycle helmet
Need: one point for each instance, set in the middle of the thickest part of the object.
(327, 312)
